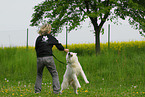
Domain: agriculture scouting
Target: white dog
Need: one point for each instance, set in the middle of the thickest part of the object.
(72, 71)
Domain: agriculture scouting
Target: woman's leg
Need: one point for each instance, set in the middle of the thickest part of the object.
(40, 68)
(52, 69)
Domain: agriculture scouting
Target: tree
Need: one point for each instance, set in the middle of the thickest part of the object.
(73, 12)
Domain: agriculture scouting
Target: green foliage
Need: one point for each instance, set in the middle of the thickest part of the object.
(69, 13)
(72, 12)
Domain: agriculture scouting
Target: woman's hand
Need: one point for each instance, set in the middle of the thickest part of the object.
(66, 50)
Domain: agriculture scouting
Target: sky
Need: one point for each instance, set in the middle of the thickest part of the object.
(15, 16)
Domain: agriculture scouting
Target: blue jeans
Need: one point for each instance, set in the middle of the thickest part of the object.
(50, 65)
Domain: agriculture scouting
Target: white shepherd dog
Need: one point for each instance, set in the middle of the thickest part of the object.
(73, 69)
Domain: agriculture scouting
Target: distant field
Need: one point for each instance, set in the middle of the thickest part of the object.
(119, 71)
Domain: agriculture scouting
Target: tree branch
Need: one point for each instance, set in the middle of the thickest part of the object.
(103, 20)
(87, 6)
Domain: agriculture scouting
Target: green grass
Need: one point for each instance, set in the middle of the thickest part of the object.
(112, 73)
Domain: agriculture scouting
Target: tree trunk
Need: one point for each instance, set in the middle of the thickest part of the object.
(97, 34)
(97, 40)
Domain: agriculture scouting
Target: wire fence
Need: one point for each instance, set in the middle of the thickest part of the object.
(11, 38)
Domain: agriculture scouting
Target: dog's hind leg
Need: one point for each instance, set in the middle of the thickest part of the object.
(84, 76)
(75, 88)
(64, 85)
(76, 81)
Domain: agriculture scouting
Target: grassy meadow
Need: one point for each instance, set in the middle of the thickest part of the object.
(118, 71)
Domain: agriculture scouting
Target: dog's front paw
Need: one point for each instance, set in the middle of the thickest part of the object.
(87, 82)
(79, 86)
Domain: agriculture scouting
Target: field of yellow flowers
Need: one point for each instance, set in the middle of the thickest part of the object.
(84, 49)
(117, 71)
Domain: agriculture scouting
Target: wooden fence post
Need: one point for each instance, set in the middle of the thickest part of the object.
(108, 36)
(27, 39)
(66, 37)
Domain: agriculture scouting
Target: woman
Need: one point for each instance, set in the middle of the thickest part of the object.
(43, 47)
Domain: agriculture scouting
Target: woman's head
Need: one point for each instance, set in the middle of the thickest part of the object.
(45, 29)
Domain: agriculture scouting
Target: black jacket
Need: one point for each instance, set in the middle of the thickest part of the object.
(44, 44)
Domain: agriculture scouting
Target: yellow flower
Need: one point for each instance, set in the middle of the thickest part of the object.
(86, 90)
(13, 94)
(6, 90)
(21, 95)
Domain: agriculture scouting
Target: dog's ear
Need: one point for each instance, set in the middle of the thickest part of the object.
(76, 53)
